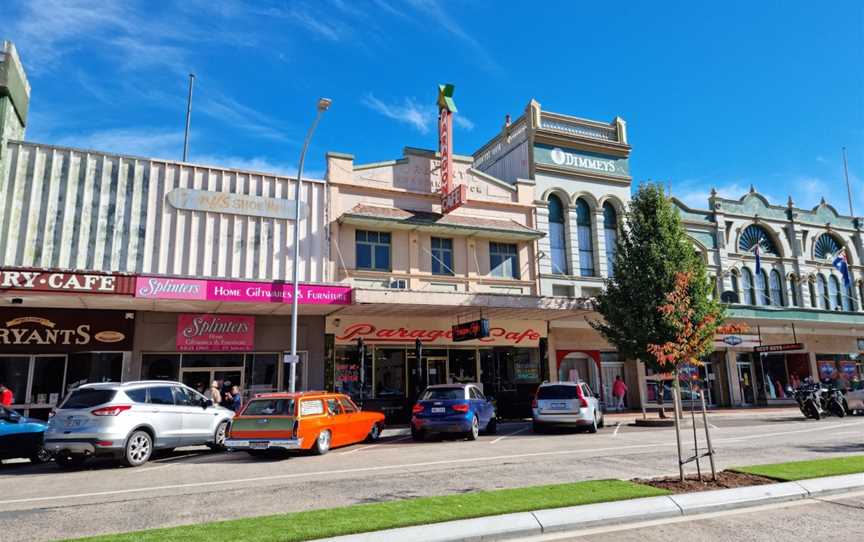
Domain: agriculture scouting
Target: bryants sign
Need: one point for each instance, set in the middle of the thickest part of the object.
(59, 330)
(433, 332)
(215, 333)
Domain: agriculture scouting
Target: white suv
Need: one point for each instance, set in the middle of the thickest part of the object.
(566, 404)
(128, 421)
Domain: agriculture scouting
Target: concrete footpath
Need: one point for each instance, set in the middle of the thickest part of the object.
(575, 518)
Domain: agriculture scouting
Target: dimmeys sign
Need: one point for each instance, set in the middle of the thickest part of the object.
(58, 330)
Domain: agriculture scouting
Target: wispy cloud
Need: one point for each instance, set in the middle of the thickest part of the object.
(409, 111)
(257, 163)
(463, 122)
(248, 119)
(317, 25)
(145, 142)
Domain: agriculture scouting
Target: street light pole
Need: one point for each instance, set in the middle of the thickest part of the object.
(323, 104)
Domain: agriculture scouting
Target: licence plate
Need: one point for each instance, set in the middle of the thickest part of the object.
(259, 445)
(71, 422)
(437, 410)
(559, 406)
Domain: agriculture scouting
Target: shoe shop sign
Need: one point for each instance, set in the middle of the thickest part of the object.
(235, 204)
(36, 280)
(64, 330)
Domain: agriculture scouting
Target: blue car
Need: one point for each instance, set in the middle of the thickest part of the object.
(21, 437)
(453, 408)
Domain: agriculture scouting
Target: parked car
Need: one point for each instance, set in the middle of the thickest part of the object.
(313, 420)
(453, 408)
(21, 437)
(566, 404)
(129, 421)
(855, 401)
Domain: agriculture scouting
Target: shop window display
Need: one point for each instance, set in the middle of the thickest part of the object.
(775, 377)
(93, 367)
(262, 373)
(840, 370)
(389, 373)
(462, 365)
(160, 366)
(347, 379)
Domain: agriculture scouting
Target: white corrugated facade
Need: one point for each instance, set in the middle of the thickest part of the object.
(67, 208)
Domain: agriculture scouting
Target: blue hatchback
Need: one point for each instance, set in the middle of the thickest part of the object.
(453, 408)
(21, 437)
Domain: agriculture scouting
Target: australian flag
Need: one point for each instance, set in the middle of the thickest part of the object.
(757, 249)
(841, 264)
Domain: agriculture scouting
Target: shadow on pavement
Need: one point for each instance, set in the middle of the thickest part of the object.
(852, 447)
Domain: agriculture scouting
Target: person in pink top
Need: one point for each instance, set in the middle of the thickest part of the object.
(619, 390)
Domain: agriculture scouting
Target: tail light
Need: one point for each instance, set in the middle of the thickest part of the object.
(460, 408)
(582, 400)
(113, 410)
(418, 408)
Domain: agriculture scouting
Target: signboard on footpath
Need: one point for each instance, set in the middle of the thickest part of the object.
(215, 333)
(431, 331)
(38, 280)
(239, 291)
(65, 330)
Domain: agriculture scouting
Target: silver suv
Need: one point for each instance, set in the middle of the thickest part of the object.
(128, 421)
(566, 404)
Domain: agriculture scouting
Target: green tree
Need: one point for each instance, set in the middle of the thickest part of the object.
(652, 249)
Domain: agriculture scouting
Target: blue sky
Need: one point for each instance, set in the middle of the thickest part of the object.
(720, 94)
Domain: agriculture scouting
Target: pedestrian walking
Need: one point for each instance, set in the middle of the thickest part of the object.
(236, 399)
(6, 395)
(619, 391)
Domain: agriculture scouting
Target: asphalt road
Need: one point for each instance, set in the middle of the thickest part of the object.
(44, 503)
(836, 517)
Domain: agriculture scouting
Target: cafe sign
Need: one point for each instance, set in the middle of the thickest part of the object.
(432, 331)
(215, 333)
(236, 204)
(60, 330)
(35, 280)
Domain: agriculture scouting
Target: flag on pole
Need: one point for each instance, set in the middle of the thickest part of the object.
(842, 265)
(758, 249)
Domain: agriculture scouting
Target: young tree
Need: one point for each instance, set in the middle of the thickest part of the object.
(652, 248)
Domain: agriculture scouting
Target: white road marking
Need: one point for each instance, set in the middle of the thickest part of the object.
(617, 427)
(151, 469)
(376, 444)
(502, 437)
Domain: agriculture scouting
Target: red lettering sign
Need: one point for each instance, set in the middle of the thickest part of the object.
(36, 280)
(374, 334)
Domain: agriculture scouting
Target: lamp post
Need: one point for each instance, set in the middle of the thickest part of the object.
(323, 104)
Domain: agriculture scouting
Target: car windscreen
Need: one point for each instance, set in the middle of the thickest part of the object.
(88, 397)
(442, 394)
(270, 407)
(557, 392)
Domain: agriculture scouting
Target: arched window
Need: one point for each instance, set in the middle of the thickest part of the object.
(763, 293)
(826, 247)
(734, 280)
(794, 293)
(776, 289)
(814, 296)
(753, 234)
(610, 231)
(747, 286)
(557, 237)
(848, 298)
(824, 295)
(834, 292)
(586, 239)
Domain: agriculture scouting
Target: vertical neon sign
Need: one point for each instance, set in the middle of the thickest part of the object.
(452, 196)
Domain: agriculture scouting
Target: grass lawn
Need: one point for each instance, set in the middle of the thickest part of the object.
(801, 470)
(388, 515)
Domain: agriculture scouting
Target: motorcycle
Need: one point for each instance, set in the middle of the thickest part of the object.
(833, 400)
(809, 401)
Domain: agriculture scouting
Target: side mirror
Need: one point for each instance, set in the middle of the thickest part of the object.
(206, 404)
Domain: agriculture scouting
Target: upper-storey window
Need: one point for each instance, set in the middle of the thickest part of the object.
(734, 279)
(763, 294)
(824, 293)
(504, 260)
(753, 234)
(794, 292)
(557, 236)
(826, 247)
(747, 286)
(835, 293)
(373, 250)
(610, 231)
(442, 256)
(586, 239)
(848, 298)
(776, 289)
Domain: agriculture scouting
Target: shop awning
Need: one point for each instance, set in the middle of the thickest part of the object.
(400, 219)
(464, 305)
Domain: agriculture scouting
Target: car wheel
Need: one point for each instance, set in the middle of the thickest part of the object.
(593, 427)
(374, 433)
(322, 443)
(139, 447)
(602, 421)
(417, 434)
(41, 456)
(218, 444)
(475, 429)
(70, 461)
(492, 426)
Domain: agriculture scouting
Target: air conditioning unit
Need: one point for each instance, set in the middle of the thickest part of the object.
(398, 284)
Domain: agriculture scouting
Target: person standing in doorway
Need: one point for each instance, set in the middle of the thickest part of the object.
(236, 399)
(619, 391)
(213, 393)
(6, 395)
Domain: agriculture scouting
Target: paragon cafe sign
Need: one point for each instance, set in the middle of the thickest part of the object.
(431, 331)
(452, 196)
(47, 330)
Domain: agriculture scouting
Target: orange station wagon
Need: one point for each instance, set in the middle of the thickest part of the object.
(312, 420)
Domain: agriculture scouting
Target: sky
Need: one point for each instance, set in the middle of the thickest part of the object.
(715, 94)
